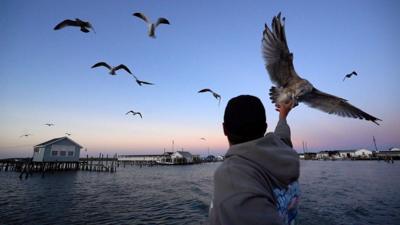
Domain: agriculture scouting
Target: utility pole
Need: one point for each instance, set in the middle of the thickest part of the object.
(373, 138)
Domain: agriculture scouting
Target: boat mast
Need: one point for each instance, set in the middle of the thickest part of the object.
(373, 138)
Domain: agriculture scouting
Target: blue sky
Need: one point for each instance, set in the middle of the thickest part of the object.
(45, 75)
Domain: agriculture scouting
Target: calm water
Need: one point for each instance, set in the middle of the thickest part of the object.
(339, 192)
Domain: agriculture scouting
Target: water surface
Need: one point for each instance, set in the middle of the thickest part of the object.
(333, 192)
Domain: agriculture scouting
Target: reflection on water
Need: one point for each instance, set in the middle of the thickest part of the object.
(133, 195)
(339, 192)
(350, 192)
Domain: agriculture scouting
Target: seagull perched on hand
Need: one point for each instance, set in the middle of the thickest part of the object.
(49, 124)
(151, 26)
(349, 75)
(112, 69)
(85, 26)
(217, 96)
(134, 113)
(140, 82)
(290, 86)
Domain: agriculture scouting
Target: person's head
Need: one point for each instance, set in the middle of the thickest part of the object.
(244, 119)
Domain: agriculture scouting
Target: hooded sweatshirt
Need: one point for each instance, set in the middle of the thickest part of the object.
(257, 182)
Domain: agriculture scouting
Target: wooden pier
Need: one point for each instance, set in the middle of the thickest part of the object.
(26, 167)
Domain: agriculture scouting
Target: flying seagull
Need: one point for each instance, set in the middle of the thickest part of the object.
(134, 113)
(151, 26)
(68, 134)
(350, 75)
(217, 96)
(85, 26)
(140, 82)
(290, 86)
(49, 124)
(203, 139)
(25, 135)
(112, 69)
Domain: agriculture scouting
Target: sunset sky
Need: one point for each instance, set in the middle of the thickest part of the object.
(46, 75)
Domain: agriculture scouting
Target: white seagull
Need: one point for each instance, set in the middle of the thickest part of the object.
(217, 96)
(151, 26)
(290, 86)
(112, 69)
(141, 82)
(134, 113)
(350, 75)
(84, 25)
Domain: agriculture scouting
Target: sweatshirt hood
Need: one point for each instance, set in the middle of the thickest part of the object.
(271, 154)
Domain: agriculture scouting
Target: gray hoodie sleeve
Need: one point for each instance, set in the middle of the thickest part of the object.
(282, 130)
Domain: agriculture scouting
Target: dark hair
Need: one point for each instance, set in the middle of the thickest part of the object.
(244, 119)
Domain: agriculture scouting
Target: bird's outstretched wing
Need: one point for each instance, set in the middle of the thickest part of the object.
(129, 112)
(122, 66)
(161, 21)
(205, 90)
(278, 59)
(102, 64)
(89, 25)
(145, 82)
(335, 105)
(138, 113)
(219, 99)
(66, 23)
(141, 16)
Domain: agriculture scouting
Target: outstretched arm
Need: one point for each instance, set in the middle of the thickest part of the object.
(282, 128)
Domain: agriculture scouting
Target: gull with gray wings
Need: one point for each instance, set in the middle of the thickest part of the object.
(141, 82)
(216, 95)
(84, 25)
(290, 86)
(112, 69)
(134, 113)
(350, 75)
(151, 26)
